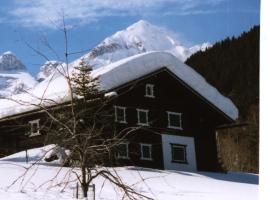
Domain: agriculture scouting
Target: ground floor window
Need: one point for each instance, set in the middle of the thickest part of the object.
(146, 151)
(178, 153)
(123, 151)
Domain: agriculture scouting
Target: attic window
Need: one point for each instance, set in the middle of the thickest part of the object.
(149, 91)
(120, 114)
(34, 128)
(174, 120)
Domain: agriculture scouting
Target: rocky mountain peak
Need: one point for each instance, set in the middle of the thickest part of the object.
(9, 62)
(139, 37)
(47, 69)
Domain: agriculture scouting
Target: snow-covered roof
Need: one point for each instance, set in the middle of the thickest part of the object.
(123, 71)
(134, 67)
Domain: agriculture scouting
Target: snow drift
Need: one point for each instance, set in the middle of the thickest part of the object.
(47, 182)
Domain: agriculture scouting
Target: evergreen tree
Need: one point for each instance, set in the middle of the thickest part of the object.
(85, 127)
(84, 85)
(232, 66)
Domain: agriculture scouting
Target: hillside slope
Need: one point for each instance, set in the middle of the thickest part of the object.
(232, 65)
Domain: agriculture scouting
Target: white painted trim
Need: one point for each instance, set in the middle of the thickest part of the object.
(150, 147)
(190, 164)
(32, 122)
(127, 151)
(151, 86)
(138, 117)
(116, 116)
(169, 120)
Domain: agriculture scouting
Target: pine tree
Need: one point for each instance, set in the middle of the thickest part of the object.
(83, 84)
(232, 66)
(82, 130)
(85, 127)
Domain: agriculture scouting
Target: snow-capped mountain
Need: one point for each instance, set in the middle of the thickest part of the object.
(47, 69)
(9, 62)
(138, 38)
(14, 77)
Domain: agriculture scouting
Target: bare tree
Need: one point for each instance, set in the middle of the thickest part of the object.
(87, 130)
(83, 125)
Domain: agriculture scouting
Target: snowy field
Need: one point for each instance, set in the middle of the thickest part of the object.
(48, 182)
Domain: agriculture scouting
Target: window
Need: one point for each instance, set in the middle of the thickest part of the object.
(149, 90)
(123, 151)
(178, 153)
(120, 114)
(175, 120)
(146, 151)
(142, 116)
(34, 128)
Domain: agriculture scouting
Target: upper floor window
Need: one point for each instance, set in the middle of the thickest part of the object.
(175, 120)
(123, 150)
(149, 91)
(178, 153)
(34, 128)
(142, 116)
(146, 151)
(120, 114)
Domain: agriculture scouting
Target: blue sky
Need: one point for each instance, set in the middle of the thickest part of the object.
(192, 22)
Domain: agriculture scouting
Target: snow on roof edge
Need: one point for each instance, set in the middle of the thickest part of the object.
(131, 68)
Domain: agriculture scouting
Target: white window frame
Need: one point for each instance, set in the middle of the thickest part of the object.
(116, 116)
(127, 152)
(169, 113)
(180, 146)
(138, 117)
(150, 147)
(32, 134)
(151, 86)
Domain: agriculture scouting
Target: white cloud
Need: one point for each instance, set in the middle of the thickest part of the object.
(48, 12)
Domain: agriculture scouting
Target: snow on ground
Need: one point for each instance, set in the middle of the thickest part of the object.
(42, 183)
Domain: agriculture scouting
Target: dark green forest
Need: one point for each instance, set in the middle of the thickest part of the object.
(232, 66)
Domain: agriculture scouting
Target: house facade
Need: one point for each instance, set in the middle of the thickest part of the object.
(176, 121)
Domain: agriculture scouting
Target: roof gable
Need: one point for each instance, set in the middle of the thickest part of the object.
(131, 85)
(120, 73)
(126, 70)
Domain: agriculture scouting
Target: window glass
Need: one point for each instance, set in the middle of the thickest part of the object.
(146, 151)
(123, 150)
(175, 120)
(34, 128)
(120, 114)
(142, 117)
(149, 90)
(178, 153)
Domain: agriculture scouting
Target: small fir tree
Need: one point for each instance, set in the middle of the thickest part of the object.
(86, 128)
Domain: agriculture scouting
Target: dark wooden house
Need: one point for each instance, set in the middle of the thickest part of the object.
(177, 110)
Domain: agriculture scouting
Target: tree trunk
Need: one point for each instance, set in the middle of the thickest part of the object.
(84, 184)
